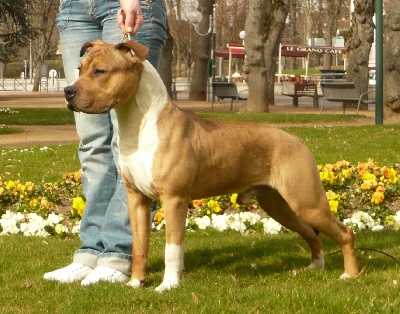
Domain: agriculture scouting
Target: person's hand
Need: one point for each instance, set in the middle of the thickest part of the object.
(129, 17)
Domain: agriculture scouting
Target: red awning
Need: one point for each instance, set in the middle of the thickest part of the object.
(225, 54)
(234, 50)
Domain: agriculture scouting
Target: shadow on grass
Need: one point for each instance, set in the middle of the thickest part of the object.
(263, 255)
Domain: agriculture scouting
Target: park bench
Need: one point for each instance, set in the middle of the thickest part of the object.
(228, 90)
(344, 92)
(304, 90)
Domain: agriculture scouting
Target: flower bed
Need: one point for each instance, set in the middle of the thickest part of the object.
(362, 196)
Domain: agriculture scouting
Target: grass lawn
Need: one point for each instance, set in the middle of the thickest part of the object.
(225, 272)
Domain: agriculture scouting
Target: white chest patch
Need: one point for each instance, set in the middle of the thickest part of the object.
(138, 131)
(137, 165)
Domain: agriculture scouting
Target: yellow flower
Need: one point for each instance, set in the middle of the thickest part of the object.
(369, 176)
(9, 185)
(328, 176)
(390, 174)
(33, 203)
(79, 205)
(333, 204)
(233, 200)
(44, 203)
(347, 172)
(390, 220)
(29, 186)
(214, 205)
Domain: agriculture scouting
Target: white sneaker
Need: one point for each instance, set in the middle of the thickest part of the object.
(70, 273)
(104, 273)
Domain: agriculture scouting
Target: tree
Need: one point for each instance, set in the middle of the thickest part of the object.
(43, 19)
(14, 27)
(165, 67)
(358, 42)
(391, 60)
(330, 27)
(198, 86)
(264, 26)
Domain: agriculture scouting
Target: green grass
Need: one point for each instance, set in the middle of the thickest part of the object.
(37, 164)
(38, 116)
(281, 117)
(219, 276)
(353, 143)
(225, 273)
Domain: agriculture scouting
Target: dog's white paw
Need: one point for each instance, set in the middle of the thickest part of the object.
(135, 283)
(167, 285)
(345, 277)
(317, 263)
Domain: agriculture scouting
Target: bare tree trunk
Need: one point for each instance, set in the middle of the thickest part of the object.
(198, 86)
(44, 13)
(359, 42)
(391, 62)
(165, 67)
(333, 9)
(264, 26)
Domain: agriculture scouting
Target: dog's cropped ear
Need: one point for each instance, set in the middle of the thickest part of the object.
(89, 45)
(139, 50)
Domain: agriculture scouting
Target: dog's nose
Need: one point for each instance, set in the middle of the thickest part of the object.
(69, 92)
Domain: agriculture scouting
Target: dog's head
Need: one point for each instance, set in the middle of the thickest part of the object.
(108, 76)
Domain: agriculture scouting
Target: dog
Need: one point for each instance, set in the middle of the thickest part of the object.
(173, 156)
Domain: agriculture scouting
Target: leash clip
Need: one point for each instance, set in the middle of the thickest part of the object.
(126, 37)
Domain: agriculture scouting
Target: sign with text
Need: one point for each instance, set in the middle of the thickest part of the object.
(301, 50)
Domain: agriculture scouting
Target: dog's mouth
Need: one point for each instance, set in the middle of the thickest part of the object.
(72, 107)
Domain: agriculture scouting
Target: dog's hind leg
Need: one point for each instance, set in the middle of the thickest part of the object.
(276, 207)
(328, 224)
(314, 210)
(175, 211)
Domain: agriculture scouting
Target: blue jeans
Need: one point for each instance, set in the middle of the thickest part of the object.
(105, 229)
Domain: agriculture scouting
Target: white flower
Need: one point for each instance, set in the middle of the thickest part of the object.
(9, 226)
(219, 222)
(60, 229)
(271, 226)
(203, 222)
(236, 223)
(361, 220)
(54, 219)
(377, 228)
(160, 225)
(76, 228)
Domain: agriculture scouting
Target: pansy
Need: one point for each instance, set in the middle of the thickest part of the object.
(214, 206)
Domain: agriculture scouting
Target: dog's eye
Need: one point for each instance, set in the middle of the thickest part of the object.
(98, 71)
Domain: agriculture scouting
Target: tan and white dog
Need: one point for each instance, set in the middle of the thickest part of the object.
(174, 156)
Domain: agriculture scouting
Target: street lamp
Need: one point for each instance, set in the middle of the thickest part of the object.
(242, 36)
(195, 18)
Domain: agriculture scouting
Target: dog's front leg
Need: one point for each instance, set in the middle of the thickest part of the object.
(175, 211)
(139, 215)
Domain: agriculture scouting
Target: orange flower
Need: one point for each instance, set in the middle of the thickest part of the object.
(379, 195)
(198, 203)
(159, 216)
